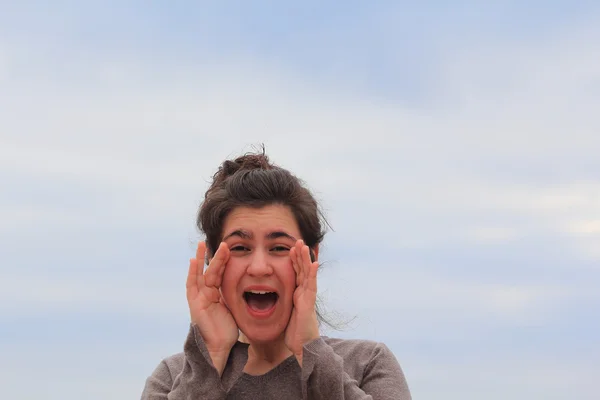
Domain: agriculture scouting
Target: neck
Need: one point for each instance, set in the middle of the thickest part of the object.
(269, 353)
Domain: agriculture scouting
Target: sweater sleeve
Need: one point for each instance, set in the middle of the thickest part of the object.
(324, 377)
(198, 379)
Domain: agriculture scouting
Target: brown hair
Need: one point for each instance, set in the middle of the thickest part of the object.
(251, 180)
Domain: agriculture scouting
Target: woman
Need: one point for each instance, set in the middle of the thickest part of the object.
(254, 331)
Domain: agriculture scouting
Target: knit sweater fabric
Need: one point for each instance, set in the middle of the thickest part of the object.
(332, 369)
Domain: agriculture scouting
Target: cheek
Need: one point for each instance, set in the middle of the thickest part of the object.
(287, 276)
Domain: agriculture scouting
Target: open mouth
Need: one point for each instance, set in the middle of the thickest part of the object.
(260, 301)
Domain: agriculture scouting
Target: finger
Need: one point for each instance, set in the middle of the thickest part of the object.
(306, 263)
(295, 263)
(210, 276)
(191, 285)
(221, 298)
(209, 268)
(221, 271)
(312, 276)
(200, 252)
(212, 294)
(302, 262)
(199, 268)
(298, 253)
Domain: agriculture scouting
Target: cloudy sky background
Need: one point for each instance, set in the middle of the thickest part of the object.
(454, 148)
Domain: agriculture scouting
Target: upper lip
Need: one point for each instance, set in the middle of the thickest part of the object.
(260, 288)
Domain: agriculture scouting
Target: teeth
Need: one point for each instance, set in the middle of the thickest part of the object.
(258, 292)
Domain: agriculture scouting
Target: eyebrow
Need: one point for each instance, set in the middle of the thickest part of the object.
(241, 233)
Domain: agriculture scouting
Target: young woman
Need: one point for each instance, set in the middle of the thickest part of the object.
(254, 331)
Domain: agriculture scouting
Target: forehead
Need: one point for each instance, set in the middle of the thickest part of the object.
(259, 220)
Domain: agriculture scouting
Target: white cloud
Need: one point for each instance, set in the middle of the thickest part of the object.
(4, 66)
(40, 293)
(585, 227)
(543, 377)
(491, 234)
(418, 296)
(126, 133)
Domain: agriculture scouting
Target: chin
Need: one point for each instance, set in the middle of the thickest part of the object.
(263, 334)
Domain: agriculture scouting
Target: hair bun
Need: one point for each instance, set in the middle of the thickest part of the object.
(248, 161)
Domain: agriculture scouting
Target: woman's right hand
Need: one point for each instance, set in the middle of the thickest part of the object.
(207, 307)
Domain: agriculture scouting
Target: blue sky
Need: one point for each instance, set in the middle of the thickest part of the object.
(454, 148)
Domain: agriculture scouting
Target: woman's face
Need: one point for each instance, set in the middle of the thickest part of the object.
(259, 280)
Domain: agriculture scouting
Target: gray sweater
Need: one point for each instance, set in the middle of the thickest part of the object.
(332, 369)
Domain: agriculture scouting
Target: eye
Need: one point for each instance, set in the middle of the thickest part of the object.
(239, 248)
(280, 249)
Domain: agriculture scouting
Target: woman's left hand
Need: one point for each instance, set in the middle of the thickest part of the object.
(303, 326)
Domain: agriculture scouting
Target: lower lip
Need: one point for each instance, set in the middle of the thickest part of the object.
(261, 314)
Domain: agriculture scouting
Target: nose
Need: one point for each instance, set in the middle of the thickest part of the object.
(259, 264)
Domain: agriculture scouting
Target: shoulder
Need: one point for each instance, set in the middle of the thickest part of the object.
(357, 347)
(363, 354)
(169, 367)
(373, 365)
(161, 379)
